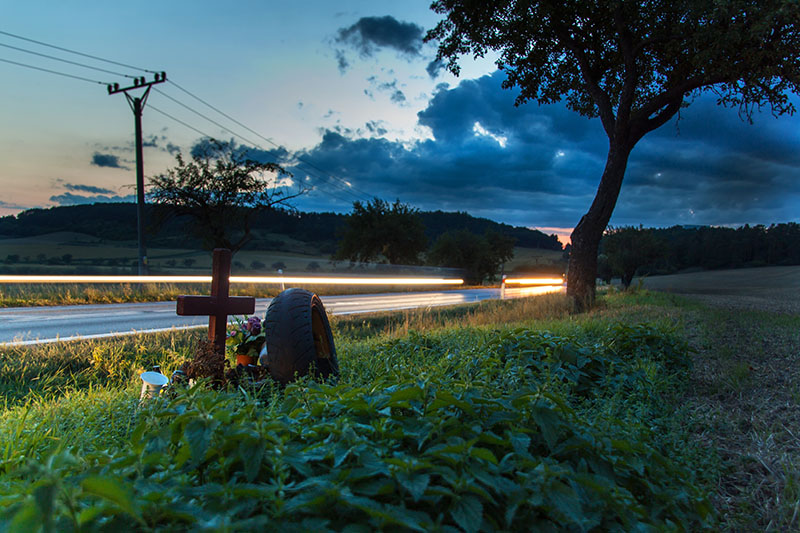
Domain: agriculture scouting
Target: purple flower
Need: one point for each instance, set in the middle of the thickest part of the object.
(253, 325)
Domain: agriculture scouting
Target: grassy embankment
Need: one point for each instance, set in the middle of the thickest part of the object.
(507, 415)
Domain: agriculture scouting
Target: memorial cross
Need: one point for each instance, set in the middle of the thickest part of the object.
(219, 305)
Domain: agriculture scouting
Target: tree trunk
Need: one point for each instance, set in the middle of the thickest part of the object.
(582, 271)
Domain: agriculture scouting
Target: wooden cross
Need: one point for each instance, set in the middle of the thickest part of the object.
(219, 305)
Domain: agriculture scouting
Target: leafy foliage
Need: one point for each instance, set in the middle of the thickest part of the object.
(220, 188)
(628, 248)
(479, 256)
(456, 430)
(380, 231)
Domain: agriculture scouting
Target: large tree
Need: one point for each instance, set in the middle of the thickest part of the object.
(379, 231)
(628, 248)
(479, 256)
(633, 64)
(221, 189)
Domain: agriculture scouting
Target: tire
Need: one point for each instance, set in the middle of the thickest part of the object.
(299, 337)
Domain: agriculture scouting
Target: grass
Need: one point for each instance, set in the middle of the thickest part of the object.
(694, 406)
(505, 414)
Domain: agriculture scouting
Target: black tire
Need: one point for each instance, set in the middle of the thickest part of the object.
(299, 337)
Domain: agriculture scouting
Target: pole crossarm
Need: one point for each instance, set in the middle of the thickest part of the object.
(138, 83)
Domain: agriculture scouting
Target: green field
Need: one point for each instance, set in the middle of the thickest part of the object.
(32, 254)
(101, 256)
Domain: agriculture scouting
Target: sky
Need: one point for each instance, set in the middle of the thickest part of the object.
(348, 97)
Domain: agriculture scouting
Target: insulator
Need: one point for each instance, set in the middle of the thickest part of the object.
(109, 88)
(163, 75)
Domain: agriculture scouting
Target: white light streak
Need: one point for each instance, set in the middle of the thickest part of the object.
(535, 281)
(307, 280)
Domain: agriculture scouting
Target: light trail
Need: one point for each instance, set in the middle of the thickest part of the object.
(233, 279)
(534, 281)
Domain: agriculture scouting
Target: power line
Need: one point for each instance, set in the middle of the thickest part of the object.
(157, 110)
(198, 113)
(270, 141)
(52, 71)
(204, 134)
(76, 52)
(67, 61)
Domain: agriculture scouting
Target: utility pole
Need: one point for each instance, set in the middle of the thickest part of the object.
(137, 106)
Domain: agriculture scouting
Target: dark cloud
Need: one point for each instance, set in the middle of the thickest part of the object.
(150, 142)
(11, 205)
(396, 94)
(370, 34)
(376, 127)
(107, 160)
(540, 165)
(206, 147)
(87, 188)
(76, 199)
(434, 67)
(341, 61)
(398, 97)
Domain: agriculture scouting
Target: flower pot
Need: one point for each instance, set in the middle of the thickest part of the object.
(244, 359)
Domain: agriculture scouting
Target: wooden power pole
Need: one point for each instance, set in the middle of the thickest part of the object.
(137, 106)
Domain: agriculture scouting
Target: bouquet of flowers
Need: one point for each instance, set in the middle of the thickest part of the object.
(247, 337)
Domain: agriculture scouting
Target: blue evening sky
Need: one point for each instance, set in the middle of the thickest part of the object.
(350, 94)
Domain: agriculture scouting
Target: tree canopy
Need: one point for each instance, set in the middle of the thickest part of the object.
(221, 189)
(378, 231)
(633, 64)
(480, 256)
(628, 248)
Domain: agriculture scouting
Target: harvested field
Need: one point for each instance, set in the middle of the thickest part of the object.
(745, 389)
(775, 289)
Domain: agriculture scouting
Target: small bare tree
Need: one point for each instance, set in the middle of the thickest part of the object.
(221, 189)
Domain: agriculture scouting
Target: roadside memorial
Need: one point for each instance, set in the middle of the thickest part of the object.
(293, 340)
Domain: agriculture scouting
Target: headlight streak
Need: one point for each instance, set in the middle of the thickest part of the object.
(307, 280)
(534, 281)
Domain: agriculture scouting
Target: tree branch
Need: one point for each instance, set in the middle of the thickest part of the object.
(598, 95)
(631, 76)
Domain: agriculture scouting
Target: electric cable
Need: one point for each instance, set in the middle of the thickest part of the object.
(204, 134)
(179, 121)
(270, 141)
(328, 177)
(249, 141)
(68, 61)
(52, 71)
(76, 52)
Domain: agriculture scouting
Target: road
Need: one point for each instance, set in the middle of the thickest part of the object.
(38, 325)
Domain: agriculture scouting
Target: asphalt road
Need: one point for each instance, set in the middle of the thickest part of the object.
(35, 325)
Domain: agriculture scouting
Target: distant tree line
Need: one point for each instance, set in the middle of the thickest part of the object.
(377, 231)
(626, 251)
(322, 231)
